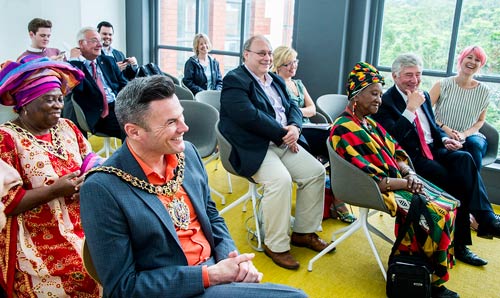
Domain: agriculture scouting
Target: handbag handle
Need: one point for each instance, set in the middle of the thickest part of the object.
(417, 208)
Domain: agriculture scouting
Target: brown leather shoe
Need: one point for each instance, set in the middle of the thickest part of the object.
(282, 259)
(309, 240)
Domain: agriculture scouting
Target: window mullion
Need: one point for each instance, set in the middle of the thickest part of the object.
(454, 37)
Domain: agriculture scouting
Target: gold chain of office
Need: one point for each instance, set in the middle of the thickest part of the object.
(168, 189)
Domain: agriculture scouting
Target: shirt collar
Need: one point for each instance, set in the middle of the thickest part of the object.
(269, 79)
(36, 50)
(402, 93)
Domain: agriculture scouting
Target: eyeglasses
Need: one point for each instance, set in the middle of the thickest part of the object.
(294, 63)
(93, 40)
(262, 54)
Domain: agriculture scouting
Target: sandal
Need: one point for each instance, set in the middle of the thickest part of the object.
(341, 212)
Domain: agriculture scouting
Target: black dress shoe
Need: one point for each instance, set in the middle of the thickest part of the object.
(443, 292)
(489, 231)
(462, 253)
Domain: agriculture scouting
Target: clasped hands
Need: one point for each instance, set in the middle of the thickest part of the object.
(413, 183)
(69, 185)
(291, 137)
(236, 268)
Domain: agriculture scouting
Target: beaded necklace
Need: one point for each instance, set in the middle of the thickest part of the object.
(56, 147)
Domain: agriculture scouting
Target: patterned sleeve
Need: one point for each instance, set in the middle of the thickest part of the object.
(10, 179)
(83, 143)
(346, 143)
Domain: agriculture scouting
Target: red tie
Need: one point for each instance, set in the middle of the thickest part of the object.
(426, 151)
(97, 78)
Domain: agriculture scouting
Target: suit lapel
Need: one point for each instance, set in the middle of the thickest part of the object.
(105, 69)
(197, 201)
(399, 101)
(427, 111)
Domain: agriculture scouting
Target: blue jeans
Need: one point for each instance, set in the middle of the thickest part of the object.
(476, 145)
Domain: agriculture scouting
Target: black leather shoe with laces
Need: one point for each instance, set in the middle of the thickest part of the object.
(489, 231)
(462, 253)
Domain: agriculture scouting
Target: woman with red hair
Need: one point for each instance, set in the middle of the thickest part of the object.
(461, 101)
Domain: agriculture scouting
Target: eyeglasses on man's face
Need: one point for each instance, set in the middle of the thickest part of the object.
(262, 53)
(294, 63)
(93, 41)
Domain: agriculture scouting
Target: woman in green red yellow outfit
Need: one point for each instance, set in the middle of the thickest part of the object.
(364, 143)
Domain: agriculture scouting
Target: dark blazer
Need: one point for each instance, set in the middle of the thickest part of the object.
(247, 119)
(130, 71)
(132, 240)
(390, 116)
(87, 93)
(195, 78)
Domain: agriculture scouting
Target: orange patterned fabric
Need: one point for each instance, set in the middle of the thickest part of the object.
(40, 249)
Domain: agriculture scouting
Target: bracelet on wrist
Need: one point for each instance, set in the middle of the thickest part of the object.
(441, 126)
(410, 172)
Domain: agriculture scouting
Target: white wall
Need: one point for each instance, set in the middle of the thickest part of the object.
(67, 17)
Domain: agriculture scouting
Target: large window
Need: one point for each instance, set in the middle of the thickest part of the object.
(438, 31)
(228, 23)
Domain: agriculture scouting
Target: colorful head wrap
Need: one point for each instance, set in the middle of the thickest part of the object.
(24, 81)
(361, 76)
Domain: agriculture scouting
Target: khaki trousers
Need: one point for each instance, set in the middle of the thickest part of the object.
(279, 169)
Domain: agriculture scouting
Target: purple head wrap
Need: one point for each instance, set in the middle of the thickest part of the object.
(24, 81)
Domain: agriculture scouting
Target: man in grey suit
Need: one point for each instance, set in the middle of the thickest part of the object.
(151, 227)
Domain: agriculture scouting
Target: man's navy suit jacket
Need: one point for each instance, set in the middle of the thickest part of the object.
(87, 93)
(390, 116)
(248, 120)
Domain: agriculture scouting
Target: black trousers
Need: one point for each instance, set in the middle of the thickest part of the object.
(457, 174)
(316, 141)
(109, 124)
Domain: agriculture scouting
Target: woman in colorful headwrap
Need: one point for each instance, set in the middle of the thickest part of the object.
(41, 244)
(364, 143)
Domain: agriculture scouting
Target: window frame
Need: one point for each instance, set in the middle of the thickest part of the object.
(158, 47)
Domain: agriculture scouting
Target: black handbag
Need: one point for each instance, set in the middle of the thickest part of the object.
(410, 276)
(149, 69)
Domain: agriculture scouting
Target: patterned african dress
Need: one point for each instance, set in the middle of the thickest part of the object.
(374, 151)
(40, 249)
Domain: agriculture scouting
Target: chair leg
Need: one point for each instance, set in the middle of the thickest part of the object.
(243, 199)
(352, 228)
(229, 183)
(379, 233)
(361, 222)
(222, 198)
(106, 148)
(255, 194)
(374, 250)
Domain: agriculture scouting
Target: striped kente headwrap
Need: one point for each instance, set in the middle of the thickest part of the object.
(361, 76)
(24, 81)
